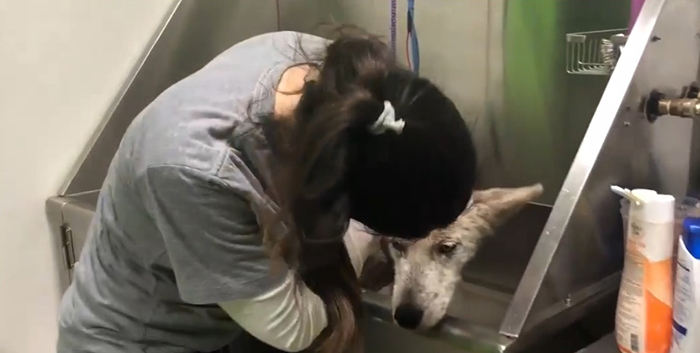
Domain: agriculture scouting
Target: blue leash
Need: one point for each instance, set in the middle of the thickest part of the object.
(413, 36)
(392, 28)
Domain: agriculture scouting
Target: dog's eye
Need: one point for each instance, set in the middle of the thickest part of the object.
(446, 248)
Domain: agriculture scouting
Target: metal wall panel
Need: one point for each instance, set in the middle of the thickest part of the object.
(502, 62)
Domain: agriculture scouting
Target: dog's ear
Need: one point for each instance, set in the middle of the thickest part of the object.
(378, 271)
(492, 207)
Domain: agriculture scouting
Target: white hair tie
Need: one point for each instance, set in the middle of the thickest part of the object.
(387, 121)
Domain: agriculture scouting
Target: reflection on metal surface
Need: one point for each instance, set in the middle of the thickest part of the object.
(537, 113)
(456, 332)
(581, 243)
(501, 260)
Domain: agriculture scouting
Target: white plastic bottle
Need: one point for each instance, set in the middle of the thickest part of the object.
(686, 305)
(644, 308)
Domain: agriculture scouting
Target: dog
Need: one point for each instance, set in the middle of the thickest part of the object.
(426, 271)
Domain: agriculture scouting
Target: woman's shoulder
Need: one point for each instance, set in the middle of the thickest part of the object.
(283, 42)
(284, 46)
(195, 122)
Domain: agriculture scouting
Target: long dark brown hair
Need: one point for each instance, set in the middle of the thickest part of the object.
(399, 184)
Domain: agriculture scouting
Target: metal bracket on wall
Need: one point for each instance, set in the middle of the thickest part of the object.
(69, 218)
(67, 248)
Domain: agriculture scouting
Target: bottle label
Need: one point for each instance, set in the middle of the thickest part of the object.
(683, 303)
(630, 318)
(646, 293)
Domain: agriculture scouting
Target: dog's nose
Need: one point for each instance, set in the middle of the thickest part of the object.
(408, 316)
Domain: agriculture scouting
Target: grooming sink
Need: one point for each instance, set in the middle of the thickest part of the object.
(473, 320)
(548, 268)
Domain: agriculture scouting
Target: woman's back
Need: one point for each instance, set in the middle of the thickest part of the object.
(154, 266)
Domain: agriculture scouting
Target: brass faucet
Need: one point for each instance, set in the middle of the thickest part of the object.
(680, 107)
(688, 106)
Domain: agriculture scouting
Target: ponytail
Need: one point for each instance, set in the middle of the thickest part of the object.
(333, 113)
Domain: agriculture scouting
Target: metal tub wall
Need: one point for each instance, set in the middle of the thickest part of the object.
(193, 34)
(536, 113)
(583, 233)
(503, 63)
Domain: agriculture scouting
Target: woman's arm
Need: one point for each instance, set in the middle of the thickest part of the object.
(291, 316)
(211, 236)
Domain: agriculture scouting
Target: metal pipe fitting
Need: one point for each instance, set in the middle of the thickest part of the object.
(681, 107)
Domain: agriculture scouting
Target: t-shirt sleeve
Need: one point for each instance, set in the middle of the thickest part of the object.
(211, 236)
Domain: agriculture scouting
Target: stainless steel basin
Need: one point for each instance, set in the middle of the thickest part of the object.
(474, 316)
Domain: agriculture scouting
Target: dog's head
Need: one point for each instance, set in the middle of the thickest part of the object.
(427, 270)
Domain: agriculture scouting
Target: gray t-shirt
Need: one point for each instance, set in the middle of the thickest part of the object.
(177, 226)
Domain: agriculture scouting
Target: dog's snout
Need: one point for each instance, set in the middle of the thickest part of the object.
(408, 316)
